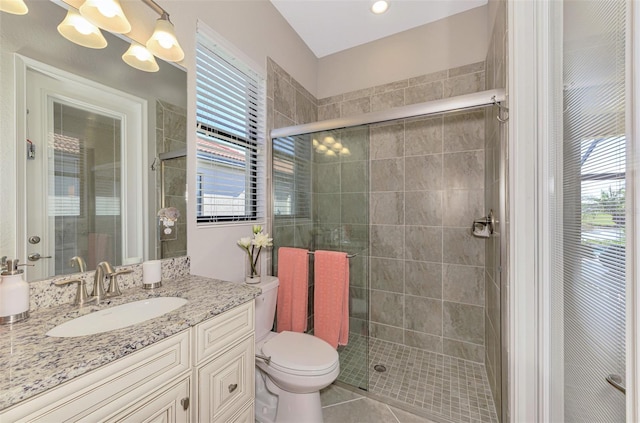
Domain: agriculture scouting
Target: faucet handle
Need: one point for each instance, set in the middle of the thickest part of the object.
(114, 290)
(82, 297)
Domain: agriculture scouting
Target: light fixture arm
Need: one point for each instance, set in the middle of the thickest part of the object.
(157, 8)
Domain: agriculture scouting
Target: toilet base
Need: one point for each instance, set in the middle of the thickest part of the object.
(294, 408)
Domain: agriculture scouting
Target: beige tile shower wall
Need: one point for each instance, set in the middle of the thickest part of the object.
(495, 162)
(288, 103)
(171, 130)
(427, 185)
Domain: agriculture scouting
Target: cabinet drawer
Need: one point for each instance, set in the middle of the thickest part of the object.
(167, 406)
(226, 384)
(109, 389)
(248, 415)
(214, 335)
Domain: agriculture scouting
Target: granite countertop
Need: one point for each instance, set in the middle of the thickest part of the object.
(31, 362)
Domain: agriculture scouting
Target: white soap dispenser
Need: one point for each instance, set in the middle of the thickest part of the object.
(14, 295)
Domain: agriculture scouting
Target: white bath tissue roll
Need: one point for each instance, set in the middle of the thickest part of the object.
(151, 271)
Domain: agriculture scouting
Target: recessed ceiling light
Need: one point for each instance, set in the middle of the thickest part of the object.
(379, 7)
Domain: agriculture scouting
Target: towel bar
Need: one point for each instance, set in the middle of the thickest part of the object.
(348, 255)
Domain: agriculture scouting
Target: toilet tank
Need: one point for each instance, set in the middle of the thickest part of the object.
(266, 306)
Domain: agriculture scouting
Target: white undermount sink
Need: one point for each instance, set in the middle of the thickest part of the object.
(117, 317)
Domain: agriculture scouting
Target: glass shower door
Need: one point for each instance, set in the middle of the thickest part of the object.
(321, 202)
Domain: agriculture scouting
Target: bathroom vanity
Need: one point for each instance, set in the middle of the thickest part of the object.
(195, 363)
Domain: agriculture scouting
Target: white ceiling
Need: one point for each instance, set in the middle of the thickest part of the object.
(330, 26)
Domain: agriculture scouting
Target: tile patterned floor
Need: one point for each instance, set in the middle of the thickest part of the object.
(437, 386)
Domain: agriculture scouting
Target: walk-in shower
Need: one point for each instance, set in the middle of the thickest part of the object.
(399, 191)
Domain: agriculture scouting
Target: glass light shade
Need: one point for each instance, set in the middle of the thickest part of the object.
(106, 14)
(328, 141)
(337, 146)
(163, 43)
(15, 7)
(330, 153)
(137, 56)
(77, 29)
(379, 7)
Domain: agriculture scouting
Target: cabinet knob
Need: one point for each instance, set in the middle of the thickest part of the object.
(233, 387)
(185, 403)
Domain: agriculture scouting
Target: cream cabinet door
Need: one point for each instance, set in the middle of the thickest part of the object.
(169, 406)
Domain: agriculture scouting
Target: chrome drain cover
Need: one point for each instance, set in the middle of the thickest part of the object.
(379, 368)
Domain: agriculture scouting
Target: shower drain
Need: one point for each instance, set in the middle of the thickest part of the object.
(379, 368)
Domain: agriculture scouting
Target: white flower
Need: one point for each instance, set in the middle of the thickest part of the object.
(245, 242)
(256, 229)
(262, 240)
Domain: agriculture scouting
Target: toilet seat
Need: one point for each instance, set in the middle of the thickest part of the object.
(300, 354)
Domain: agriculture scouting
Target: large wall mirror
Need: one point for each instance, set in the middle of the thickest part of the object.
(97, 149)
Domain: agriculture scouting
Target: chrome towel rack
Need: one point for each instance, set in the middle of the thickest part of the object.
(348, 255)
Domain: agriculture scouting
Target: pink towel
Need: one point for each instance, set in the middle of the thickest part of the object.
(331, 297)
(293, 272)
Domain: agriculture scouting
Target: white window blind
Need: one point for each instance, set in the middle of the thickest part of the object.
(292, 177)
(230, 164)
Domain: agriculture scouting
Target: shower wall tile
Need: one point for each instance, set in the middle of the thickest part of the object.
(463, 284)
(388, 100)
(358, 94)
(357, 141)
(464, 350)
(470, 68)
(423, 243)
(351, 208)
(424, 315)
(464, 84)
(460, 247)
(423, 341)
(463, 322)
(387, 274)
(423, 93)
(388, 333)
(387, 175)
(387, 208)
(464, 170)
(355, 107)
(387, 308)
(306, 110)
(423, 172)
(462, 206)
(392, 86)
(387, 141)
(284, 97)
(358, 274)
(327, 178)
(328, 208)
(430, 77)
(387, 241)
(423, 136)
(354, 176)
(423, 208)
(464, 131)
(423, 279)
(329, 111)
(281, 121)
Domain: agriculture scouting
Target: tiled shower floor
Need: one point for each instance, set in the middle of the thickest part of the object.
(435, 385)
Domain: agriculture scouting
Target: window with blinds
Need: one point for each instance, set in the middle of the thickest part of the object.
(292, 177)
(229, 119)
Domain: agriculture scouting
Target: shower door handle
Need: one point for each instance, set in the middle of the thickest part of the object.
(616, 382)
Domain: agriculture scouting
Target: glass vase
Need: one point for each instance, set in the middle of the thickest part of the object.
(252, 274)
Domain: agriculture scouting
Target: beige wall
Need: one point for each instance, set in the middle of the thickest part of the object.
(441, 45)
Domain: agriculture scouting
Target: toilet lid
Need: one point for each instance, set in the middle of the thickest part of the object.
(299, 353)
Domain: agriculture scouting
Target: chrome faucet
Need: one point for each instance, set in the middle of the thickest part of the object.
(79, 262)
(103, 270)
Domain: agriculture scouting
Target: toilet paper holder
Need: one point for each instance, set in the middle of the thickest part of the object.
(489, 221)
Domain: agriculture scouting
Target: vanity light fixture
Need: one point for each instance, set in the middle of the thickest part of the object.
(139, 57)
(379, 7)
(77, 29)
(15, 7)
(106, 14)
(164, 43)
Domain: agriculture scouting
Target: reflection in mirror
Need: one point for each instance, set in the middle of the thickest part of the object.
(89, 190)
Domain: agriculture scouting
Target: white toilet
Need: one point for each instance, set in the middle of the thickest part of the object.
(288, 385)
